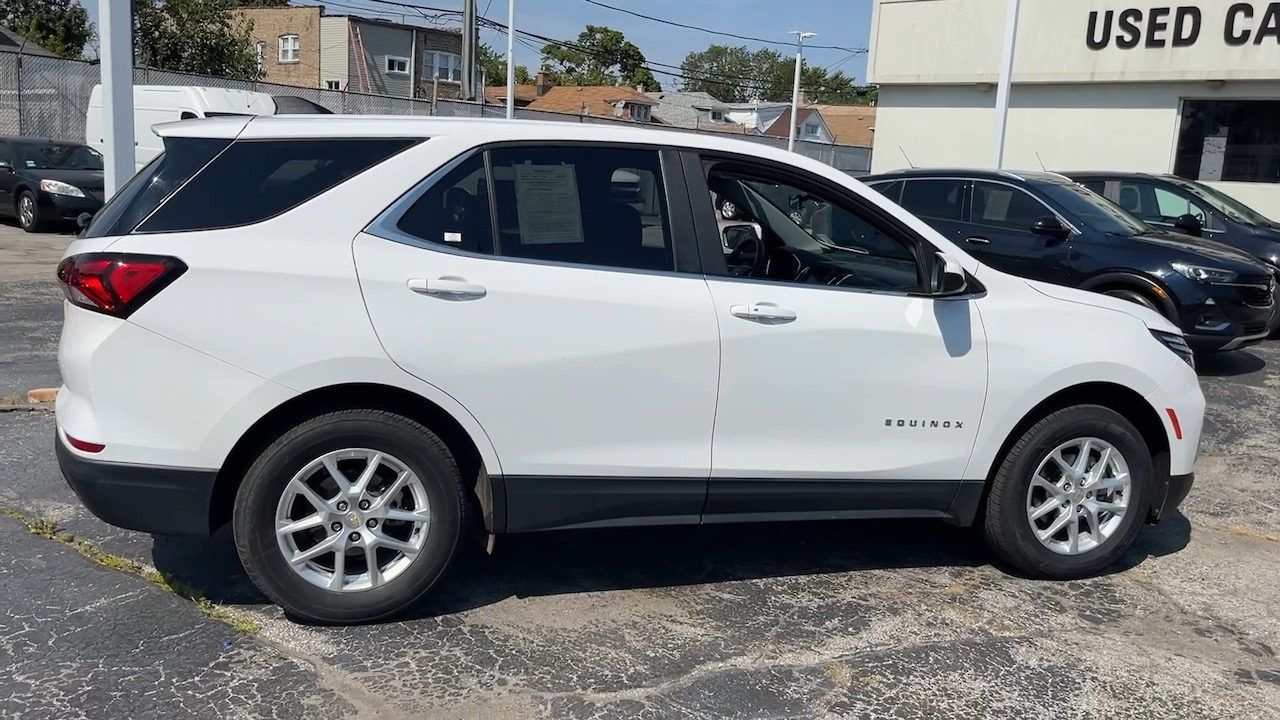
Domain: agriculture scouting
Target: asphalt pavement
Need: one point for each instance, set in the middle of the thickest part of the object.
(840, 619)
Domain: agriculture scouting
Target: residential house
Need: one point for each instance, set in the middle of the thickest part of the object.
(379, 57)
(694, 110)
(850, 124)
(810, 126)
(603, 101)
(287, 42)
(525, 94)
(12, 42)
(756, 116)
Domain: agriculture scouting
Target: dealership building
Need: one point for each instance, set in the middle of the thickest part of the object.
(1191, 88)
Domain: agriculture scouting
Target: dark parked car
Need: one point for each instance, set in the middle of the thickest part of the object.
(1044, 226)
(48, 181)
(1191, 208)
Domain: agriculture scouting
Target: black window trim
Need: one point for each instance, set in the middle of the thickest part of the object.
(413, 140)
(680, 218)
(973, 220)
(925, 252)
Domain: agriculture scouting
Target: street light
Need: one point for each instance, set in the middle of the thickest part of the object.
(1006, 79)
(511, 59)
(801, 36)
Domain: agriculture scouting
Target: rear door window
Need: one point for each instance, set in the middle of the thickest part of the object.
(935, 199)
(255, 180)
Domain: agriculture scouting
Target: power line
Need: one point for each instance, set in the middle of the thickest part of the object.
(858, 51)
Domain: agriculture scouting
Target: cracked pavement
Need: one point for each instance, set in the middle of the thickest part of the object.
(841, 619)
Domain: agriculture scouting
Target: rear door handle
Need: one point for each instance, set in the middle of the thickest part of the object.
(447, 287)
(978, 240)
(762, 311)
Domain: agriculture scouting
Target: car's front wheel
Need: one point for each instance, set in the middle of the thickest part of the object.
(1070, 496)
(350, 517)
(29, 216)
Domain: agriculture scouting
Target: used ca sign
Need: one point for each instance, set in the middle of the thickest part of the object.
(1242, 23)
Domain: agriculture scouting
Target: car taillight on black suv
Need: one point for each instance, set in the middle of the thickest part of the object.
(116, 284)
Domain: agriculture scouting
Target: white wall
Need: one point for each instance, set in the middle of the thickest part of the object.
(959, 41)
(1102, 126)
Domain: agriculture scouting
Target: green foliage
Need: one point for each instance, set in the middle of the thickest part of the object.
(60, 26)
(495, 68)
(600, 56)
(736, 74)
(195, 36)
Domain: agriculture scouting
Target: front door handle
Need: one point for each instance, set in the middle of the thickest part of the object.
(977, 240)
(762, 311)
(447, 287)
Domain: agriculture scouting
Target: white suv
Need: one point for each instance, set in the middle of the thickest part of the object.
(360, 339)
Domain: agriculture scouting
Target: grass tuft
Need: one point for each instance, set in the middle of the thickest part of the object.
(49, 530)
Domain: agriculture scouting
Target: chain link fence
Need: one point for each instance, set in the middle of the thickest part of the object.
(49, 97)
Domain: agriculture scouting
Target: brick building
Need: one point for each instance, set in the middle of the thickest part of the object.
(287, 42)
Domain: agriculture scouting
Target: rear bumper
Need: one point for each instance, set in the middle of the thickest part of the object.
(1175, 491)
(159, 500)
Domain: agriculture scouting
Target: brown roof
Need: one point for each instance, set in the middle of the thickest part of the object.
(781, 127)
(598, 99)
(850, 124)
(524, 93)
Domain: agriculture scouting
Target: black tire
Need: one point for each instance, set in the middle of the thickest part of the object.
(33, 223)
(728, 211)
(1135, 296)
(1008, 530)
(254, 517)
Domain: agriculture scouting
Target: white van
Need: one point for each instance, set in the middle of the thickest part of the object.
(155, 104)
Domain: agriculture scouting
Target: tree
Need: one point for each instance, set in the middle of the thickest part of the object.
(260, 3)
(736, 74)
(495, 68)
(600, 56)
(194, 36)
(60, 26)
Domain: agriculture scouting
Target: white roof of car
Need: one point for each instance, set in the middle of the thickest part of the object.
(483, 129)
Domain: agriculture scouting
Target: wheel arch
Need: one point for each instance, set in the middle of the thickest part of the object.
(1139, 283)
(1123, 400)
(351, 396)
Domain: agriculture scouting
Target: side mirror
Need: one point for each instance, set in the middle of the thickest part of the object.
(734, 235)
(1051, 227)
(83, 220)
(6, 165)
(948, 277)
(1189, 225)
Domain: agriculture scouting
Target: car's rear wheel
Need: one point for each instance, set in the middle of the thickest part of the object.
(29, 213)
(1070, 496)
(350, 517)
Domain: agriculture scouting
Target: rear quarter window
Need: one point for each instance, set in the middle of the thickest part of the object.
(255, 180)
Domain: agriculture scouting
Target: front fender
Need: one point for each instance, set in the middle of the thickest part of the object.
(1137, 281)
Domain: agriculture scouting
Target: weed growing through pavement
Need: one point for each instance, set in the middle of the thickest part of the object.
(47, 529)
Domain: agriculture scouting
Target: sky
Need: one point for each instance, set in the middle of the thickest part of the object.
(843, 23)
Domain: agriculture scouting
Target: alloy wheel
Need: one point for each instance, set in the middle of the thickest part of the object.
(352, 520)
(1078, 496)
(26, 211)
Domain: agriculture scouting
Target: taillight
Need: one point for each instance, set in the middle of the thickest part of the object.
(116, 283)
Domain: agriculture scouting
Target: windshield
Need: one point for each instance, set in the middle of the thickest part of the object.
(56, 156)
(1094, 210)
(1224, 203)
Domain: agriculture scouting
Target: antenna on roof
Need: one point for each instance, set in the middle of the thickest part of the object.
(1042, 167)
(904, 154)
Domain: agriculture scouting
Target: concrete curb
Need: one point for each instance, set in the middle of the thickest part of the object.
(42, 395)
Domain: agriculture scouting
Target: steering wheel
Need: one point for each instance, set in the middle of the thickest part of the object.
(739, 266)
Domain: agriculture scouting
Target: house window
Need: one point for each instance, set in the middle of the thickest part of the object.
(397, 65)
(717, 116)
(290, 49)
(332, 84)
(442, 66)
(1229, 140)
(640, 112)
(811, 130)
(260, 50)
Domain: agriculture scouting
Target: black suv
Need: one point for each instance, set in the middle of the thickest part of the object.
(1044, 226)
(1191, 208)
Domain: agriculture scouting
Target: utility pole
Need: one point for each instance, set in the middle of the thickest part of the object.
(115, 24)
(511, 59)
(801, 36)
(1006, 79)
(469, 49)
